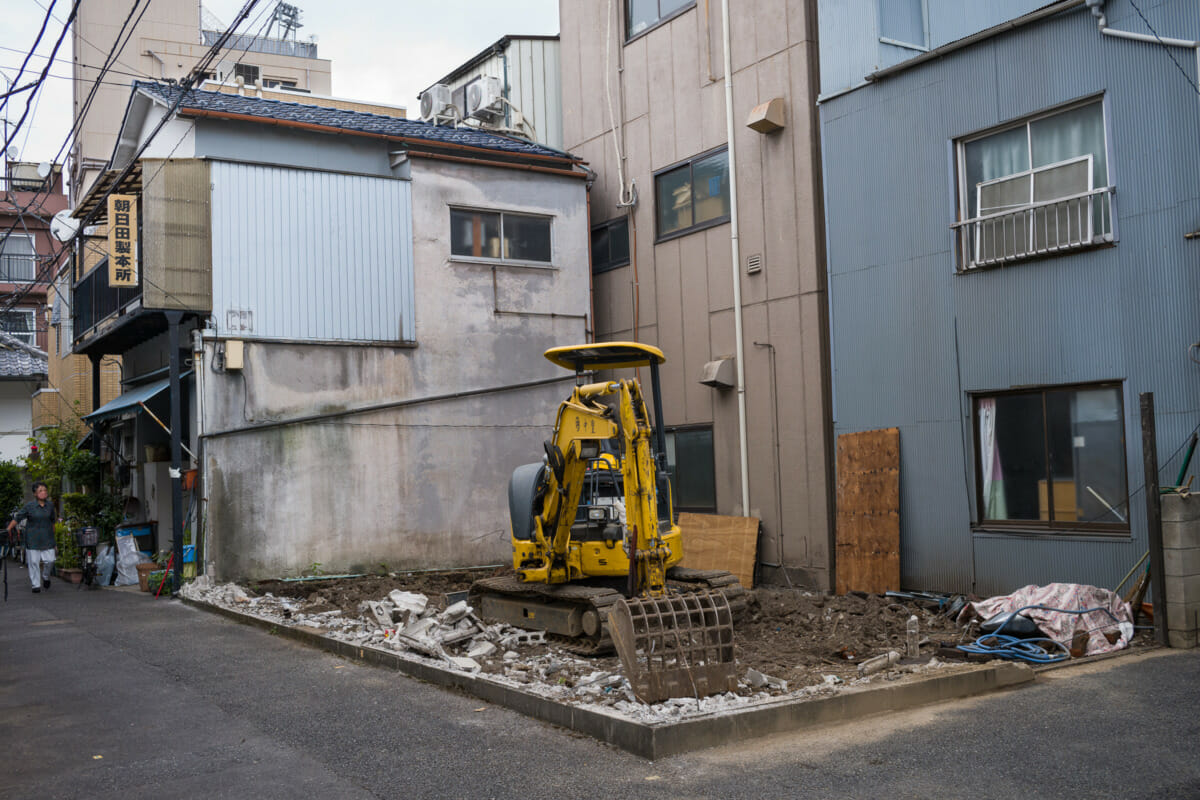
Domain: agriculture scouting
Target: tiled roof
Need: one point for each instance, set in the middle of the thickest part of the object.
(19, 360)
(200, 100)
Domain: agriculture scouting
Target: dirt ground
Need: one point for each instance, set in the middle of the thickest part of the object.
(788, 634)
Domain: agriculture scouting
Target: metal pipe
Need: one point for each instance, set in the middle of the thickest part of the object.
(743, 452)
(174, 318)
(201, 481)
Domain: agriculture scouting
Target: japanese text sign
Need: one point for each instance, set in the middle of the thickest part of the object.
(122, 240)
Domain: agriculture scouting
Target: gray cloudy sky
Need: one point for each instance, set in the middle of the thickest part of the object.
(382, 51)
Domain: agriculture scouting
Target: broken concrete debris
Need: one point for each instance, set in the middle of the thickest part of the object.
(411, 625)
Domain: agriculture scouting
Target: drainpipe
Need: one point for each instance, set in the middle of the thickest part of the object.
(737, 260)
(1097, 9)
(201, 547)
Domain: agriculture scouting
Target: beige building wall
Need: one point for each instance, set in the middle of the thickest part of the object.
(669, 96)
(165, 43)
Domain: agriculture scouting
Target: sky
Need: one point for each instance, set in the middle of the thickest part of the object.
(385, 51)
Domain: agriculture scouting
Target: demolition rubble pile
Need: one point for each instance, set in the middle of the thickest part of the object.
(455, 638)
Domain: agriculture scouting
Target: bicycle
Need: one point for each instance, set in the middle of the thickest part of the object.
(87, 539)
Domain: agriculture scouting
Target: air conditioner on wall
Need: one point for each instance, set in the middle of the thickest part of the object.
(437, 103)
(485, 98)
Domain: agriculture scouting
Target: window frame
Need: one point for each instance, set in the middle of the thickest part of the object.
(923, 47)
(658, 23)
(1037, 526)
(501, 260)
(610, 225)
(690, 163)
(33, 258)
(963, 261)
(31, 333)
(671, 431)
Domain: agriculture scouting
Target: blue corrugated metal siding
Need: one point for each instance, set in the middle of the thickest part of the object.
(1126, 312)
(853, 26)
(314, 256)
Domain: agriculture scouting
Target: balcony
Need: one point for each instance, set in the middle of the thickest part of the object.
(95, 301)
(1039, 229)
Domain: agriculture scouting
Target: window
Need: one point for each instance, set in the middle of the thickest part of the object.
(642, 15)
(278, 83)
(1052, 458)
(18, 324)
(247, 72)
(500, 236)
(610, 245)
(690, 465)
(17, 259)
(1035, 188)
(693, 195)
(904, 23)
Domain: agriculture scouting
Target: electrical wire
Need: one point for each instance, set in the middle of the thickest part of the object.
(29, 55)
(1163, 44)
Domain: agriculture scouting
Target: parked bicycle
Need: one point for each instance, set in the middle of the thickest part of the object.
(87, 539)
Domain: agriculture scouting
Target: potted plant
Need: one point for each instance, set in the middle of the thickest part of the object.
(66, 561)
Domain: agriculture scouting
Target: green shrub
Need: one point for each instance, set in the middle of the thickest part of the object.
(67, 555)
(12, 488)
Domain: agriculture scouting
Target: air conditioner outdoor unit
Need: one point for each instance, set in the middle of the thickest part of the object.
(436, 103)
(485, 98)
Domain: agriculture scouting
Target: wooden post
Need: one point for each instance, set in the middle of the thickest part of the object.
(1154, 518)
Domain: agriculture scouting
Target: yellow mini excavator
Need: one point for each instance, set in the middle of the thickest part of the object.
(595, 544)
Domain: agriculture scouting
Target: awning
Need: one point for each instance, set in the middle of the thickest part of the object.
(131, 400)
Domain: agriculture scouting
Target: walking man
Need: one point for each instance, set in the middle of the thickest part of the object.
(39, 536)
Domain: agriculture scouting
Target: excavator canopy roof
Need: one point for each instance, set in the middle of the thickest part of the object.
(605, 355)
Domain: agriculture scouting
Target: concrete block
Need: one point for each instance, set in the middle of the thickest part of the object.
(480, 649)
(454, 613)
(464, 662)
(1182, 640)
(382, 612)
(1181, 508)
(408, 602)
(1182, 590)
(1181, 521)
(1181, 562)
(419, 628)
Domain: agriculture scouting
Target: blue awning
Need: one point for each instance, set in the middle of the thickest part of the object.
(130, 400)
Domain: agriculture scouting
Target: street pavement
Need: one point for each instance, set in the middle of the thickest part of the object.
(113, 694)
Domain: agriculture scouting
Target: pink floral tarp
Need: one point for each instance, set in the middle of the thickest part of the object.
(1062, 627)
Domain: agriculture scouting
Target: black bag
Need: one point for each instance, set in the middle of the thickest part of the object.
(1007, 624)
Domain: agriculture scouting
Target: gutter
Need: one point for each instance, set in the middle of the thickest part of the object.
(946, 49)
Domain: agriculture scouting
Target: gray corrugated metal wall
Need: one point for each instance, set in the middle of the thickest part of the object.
(902, 319)
(850, 31)
(343, 243)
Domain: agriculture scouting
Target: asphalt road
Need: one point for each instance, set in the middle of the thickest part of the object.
(112, 694)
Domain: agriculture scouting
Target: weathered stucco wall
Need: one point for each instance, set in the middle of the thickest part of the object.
(419, 485)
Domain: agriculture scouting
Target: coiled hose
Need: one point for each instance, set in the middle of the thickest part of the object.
(1038, 650)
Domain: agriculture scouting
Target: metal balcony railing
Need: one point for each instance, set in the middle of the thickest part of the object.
(1066, 223)
(261, 44)
(94, 300)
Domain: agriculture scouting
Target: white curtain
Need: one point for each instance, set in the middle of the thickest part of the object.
(994, 506)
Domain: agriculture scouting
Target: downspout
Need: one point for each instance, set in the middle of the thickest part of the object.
(199, 539)
(737, 260)
(1097, 9)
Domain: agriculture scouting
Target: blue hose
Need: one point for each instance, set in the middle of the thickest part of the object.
(1035, 651)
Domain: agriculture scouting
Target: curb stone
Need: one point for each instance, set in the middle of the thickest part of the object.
(659, 740)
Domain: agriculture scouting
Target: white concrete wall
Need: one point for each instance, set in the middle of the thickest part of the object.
(422, 485)
(16, 418)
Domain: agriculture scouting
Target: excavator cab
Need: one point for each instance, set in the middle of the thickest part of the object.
(595, 545)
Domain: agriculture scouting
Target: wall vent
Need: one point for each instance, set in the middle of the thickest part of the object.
(754, 263)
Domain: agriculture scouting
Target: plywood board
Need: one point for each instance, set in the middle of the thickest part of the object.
(868, 511)
(713, 541)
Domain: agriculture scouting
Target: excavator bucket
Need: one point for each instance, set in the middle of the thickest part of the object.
(679, 645)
